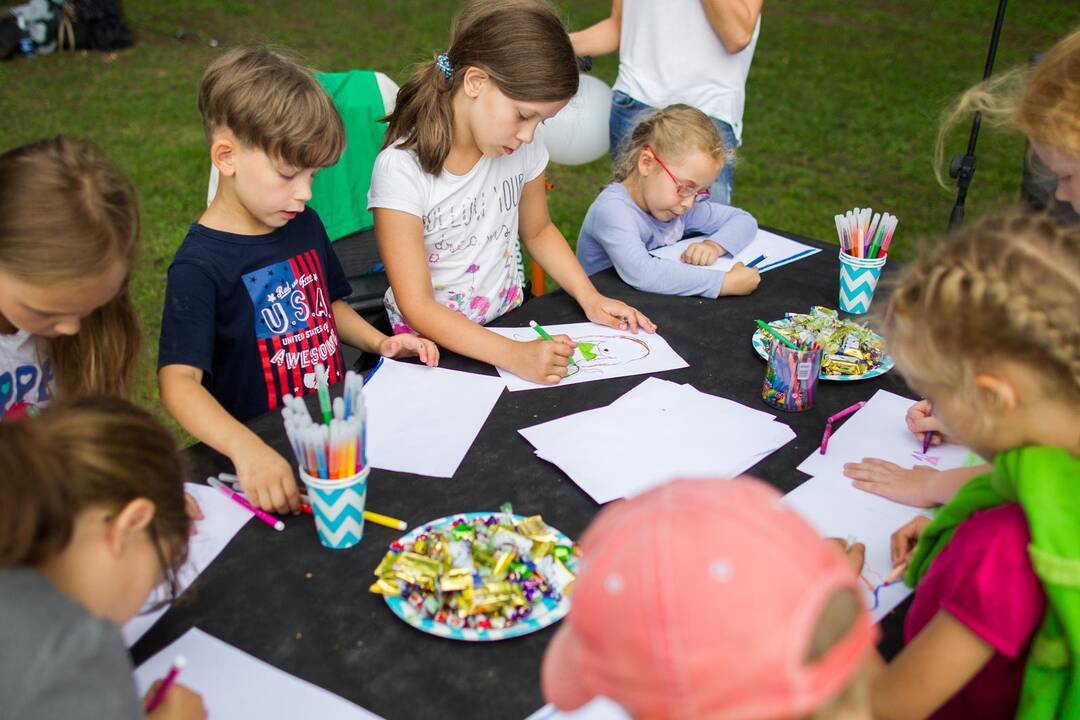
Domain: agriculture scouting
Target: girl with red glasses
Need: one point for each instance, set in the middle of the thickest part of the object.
(661, 180)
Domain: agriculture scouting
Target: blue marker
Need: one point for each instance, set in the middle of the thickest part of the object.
(372, 373)
(756, 260)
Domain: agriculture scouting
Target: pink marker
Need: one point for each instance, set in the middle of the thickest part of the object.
(241, 500)
(163, 688)
(833, 418)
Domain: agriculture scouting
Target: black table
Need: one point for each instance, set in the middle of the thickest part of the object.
(287, 600)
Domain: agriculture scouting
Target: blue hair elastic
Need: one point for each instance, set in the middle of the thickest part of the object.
(443, 63)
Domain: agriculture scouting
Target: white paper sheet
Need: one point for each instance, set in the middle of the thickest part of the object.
(657, 431)
(234, 684)
(781, 251)
(605, 353)
(423, 420)
(878, 430)
(836, 509)
(599, 708)
(222, 519)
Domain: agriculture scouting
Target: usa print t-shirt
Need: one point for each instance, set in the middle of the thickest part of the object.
(470, 227)
(26, 379)
(253, 312)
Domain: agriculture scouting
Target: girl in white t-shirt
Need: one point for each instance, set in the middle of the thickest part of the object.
(459, 180)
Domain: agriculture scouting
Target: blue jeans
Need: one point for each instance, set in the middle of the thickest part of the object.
(625, 112)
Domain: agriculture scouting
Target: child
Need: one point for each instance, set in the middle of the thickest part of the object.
(984, 325)
(654, 202)
(69, 232)
(254, 296)
(1043, 103)
(710, 599)
(93, 521)
(459, 179)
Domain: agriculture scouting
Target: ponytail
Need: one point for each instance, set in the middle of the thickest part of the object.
(523, 47)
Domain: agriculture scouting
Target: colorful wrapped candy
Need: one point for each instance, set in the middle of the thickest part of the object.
(481, 572)
(850, 348)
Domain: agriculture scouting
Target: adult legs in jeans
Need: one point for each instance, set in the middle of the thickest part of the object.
(721, 189)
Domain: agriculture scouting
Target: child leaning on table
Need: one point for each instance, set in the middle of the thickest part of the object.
(460, 178)
(92, 520)
(255, 294)
(984, 325)
(707, 599)
(661, 181)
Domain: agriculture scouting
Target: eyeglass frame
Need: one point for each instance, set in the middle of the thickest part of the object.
(681, 189)
(168, 575)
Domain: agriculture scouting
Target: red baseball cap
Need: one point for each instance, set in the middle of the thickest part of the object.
(699, 599)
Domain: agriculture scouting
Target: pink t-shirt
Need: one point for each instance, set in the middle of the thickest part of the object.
(984, 579)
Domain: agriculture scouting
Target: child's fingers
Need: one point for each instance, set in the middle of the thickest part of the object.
(563, 345)
(856, 555)
(278, 502)
(292, 493)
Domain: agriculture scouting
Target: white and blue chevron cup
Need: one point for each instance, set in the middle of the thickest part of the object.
(338, 508)
(858, 279)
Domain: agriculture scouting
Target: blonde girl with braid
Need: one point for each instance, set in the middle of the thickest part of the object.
(1043, 103)
(460, 179)
(985, 326)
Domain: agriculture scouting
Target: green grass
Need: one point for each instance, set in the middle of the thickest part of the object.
(842, 106)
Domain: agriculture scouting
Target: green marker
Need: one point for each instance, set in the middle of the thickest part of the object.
(544, 334)
(321, 383)
(769, 329)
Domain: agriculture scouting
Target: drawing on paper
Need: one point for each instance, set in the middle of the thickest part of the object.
(926, 458)
(596, 352)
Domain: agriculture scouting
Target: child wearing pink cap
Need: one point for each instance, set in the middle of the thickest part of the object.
(710, 599)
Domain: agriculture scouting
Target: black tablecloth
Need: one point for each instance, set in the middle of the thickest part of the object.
(285, 599)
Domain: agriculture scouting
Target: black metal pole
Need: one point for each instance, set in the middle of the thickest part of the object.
(963, 166)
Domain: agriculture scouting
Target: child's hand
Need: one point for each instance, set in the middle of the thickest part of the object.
(702, 253)
(740, 280)
(407, 344)
(855, 552)
(543, 361)
(266, 478)
(179, 703)
(191, 506)
(616, 314)
(889, 480)
(920, 421)
(906, 538)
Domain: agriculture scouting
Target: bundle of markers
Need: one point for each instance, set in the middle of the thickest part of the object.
(864, 233)
(336, 448)
(791, 377)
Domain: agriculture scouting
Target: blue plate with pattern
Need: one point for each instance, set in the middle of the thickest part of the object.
(545, 611)
(761, 345)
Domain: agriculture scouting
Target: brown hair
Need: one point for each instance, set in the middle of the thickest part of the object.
(1043, 103)
(521, 44)
(674, 130)
(271, 102)
(1005, 288)
(79, 454)
(67, 213)
(837, 620)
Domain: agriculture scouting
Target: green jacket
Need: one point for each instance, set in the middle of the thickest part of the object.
(1046, 483)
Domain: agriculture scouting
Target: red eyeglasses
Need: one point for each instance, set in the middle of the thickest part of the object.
(681, 189)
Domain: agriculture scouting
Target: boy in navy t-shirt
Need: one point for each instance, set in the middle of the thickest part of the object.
(254, 300)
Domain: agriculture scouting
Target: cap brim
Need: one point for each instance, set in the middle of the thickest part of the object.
(561, 677)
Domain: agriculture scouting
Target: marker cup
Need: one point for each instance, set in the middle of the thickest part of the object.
(858, 279)
(338, 508)
(791, 377)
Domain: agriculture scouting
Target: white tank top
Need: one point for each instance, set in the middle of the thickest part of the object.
(668, 53)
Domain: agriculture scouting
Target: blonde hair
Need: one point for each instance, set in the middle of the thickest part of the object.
(67, 214)
(836, 621)
(521, 44)
(80, 454)
(271, 102)
(1043, 103)
(1006, 288)
(672, 131)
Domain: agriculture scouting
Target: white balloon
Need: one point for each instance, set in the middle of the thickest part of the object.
(579, 133)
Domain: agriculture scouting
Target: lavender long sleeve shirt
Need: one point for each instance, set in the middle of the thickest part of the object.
(616, 232)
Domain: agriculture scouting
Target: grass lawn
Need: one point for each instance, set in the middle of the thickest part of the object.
(841, 111)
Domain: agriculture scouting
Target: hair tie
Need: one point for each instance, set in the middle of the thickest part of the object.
(443, 63)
